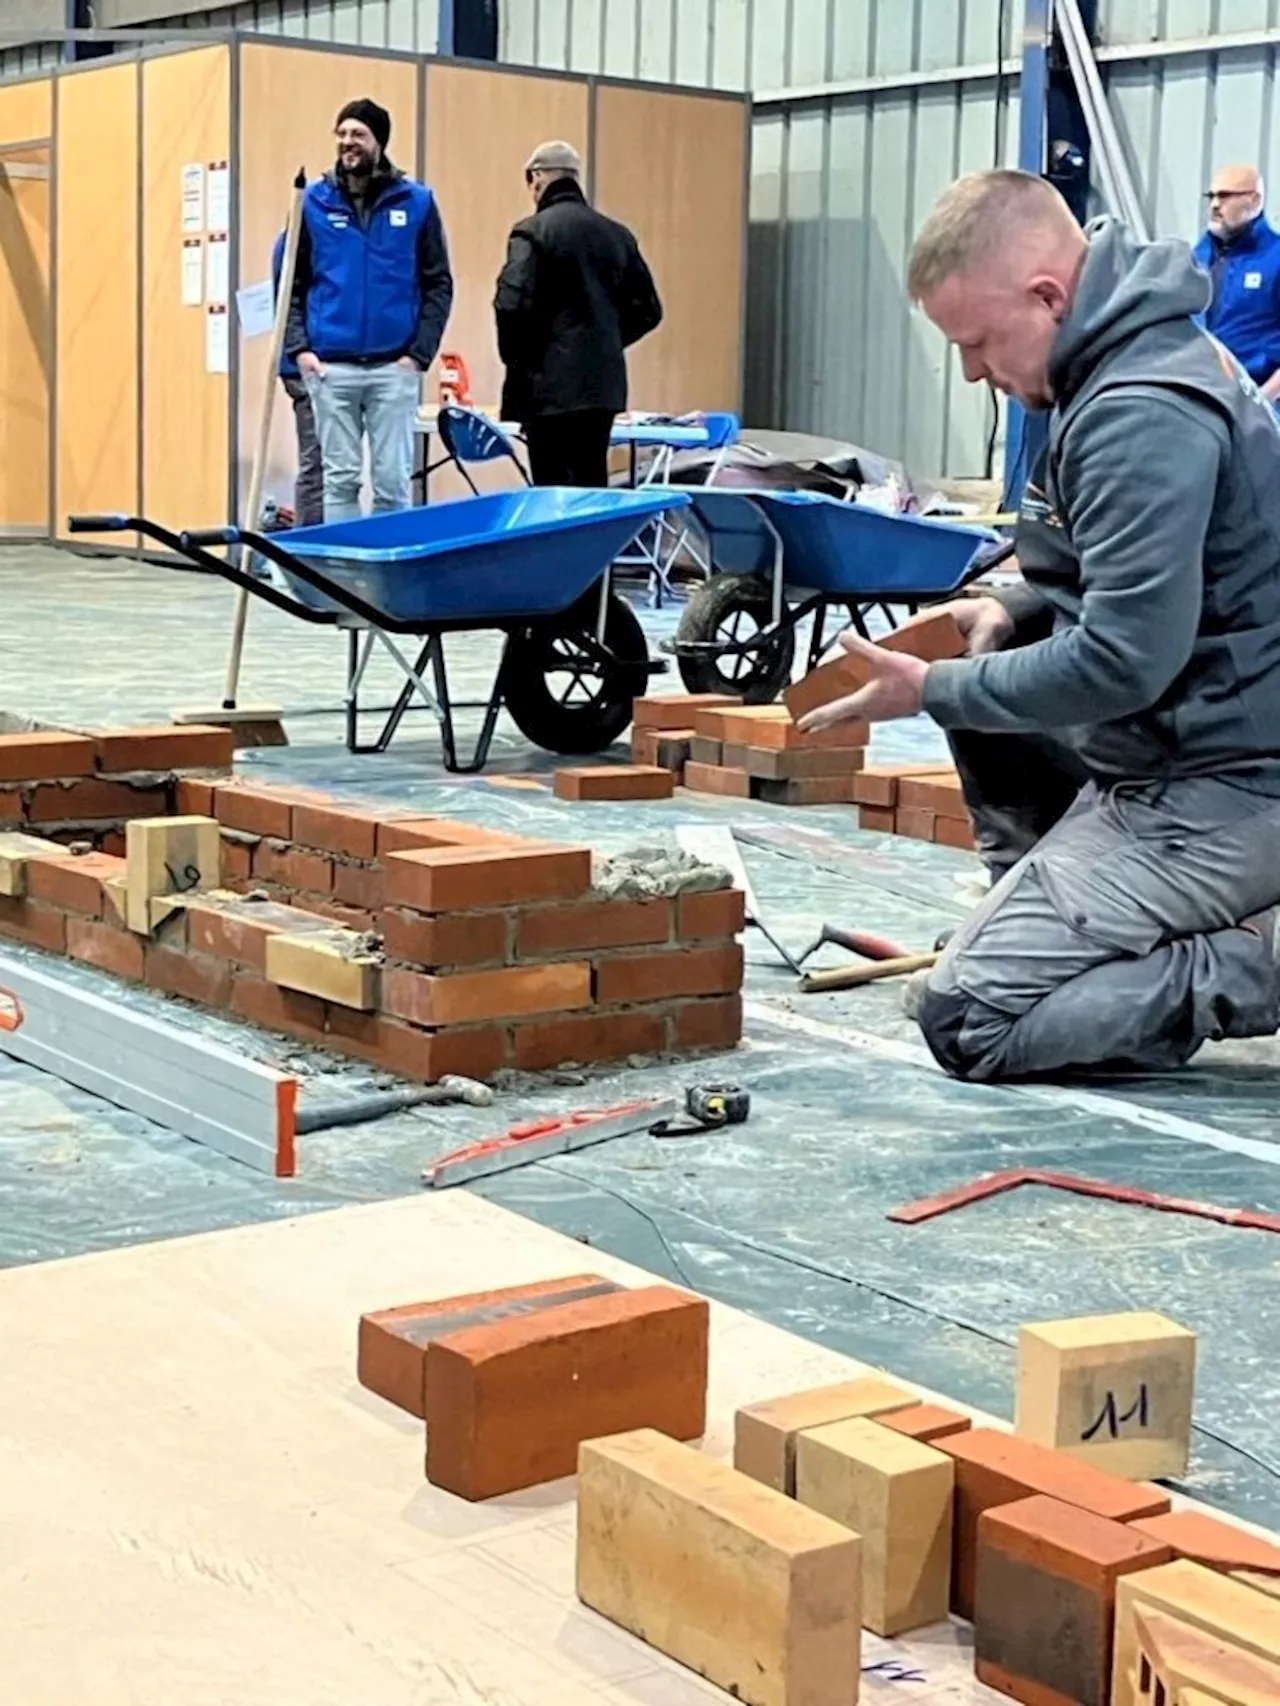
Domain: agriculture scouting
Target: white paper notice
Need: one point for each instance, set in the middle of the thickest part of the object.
(192, 272)
(219, 212)
(217, 281)
(193, 198)
(257, 309)
(217, 340)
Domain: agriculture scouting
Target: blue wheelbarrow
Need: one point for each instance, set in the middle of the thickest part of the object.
(532, 564)
(780, 557)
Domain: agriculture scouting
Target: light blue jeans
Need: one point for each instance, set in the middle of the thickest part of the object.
(350, 402)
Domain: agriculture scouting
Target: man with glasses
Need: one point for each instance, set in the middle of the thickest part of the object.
(1241, 253)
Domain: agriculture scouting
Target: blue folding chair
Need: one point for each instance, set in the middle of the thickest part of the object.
(469, 436)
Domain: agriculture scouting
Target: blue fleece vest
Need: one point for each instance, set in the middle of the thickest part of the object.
(1245, 311)
(364, 300)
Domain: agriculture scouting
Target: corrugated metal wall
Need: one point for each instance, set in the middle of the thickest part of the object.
(841, 182)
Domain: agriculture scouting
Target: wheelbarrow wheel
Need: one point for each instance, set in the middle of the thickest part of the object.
(728, 610)
(561, 693)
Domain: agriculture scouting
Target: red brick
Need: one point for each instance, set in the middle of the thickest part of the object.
(1210, 1541)
(710, 725)
(797, 764)
(644, 746)
(193, 798)
(713, 1023)
(714, 915)
(42, 757)
(667, 976)
(678, 710)
(105, 946)
(613, 782)
(29, 922)
(950, 832)
(276, 1009)
(335, 830)
(359, 885)
(82, 802)
(73, 882)
(771, 728)
(393, 1344)
(406, 834)
(878, 784)
(255, 811)
(10, 806)
(704, 751)
(477, 1051)
(674, 750)
(476, 879)
(716, 779)
(113, 842)
(196, 977)
(806, 791)
(509, 1403)
(942, 797)
(195, 746)
(292, 868)
(593, 1036)
(925, 1422)
(994, 1468)
(1045, 1600)
(877, 821)
(350, 917)
(469, 998)
(548, 930)
(917, 825)
(930, 637)
(237, 860)
(452, 939)
(239, 930)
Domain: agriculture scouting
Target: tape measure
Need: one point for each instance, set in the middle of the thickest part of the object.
(708, 1107)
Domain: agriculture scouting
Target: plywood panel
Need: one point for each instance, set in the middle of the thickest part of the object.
(97, 292)
(289, 98)
(26, 110)
(672, 167)
(186, 117)
(481, 127)
(25, 346)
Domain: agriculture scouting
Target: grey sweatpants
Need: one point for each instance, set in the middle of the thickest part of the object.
(350, 402)
(1114, 944)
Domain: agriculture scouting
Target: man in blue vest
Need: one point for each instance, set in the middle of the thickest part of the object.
(308, 487)
(1241, 253)
(371, 298)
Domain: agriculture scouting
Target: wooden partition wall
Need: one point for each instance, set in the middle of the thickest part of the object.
(26, 321)
(111, 395)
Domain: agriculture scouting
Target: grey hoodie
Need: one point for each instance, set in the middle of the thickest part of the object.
(1150, 531)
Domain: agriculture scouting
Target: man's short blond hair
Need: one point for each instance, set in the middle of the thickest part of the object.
(974, 217)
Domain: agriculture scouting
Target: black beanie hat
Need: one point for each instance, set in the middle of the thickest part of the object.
(372, 116)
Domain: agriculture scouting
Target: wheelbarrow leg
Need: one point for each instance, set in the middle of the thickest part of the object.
(359, 648)
(396, 715)
(448, 740)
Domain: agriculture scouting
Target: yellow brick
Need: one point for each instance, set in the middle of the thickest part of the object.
(1201, 1599)
(15, 850)
(735, 1581)
(764, 1435)
(325, 963)
(168, 856)
(1112, 1390)
(898, 1495)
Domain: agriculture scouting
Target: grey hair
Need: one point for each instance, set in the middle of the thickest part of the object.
(969, 219)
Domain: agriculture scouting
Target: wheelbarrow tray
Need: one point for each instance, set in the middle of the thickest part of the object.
(847, 551)
(500, 557)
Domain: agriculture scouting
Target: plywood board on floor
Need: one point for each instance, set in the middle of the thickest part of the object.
(198, 1502)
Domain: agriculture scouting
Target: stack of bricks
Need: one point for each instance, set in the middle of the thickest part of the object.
(921, 801)
(422, 945)
(662, 728)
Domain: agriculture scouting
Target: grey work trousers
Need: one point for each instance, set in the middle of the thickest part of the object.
(308, 487)
(349, 402)
(1114, 944)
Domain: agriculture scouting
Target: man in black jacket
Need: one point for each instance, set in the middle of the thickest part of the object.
(575, 293)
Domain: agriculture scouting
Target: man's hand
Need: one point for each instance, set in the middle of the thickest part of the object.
(1271, 388)
(985, 623)
(409, 364)
(311, 364)
(895, 690)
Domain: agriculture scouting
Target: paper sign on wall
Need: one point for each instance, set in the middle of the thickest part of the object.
(193, 197)
(192, 272)
(256, 306)
(217, 339)
(217, 269)
(219, 210)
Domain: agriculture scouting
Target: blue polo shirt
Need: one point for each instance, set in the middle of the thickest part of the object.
(1245, 311)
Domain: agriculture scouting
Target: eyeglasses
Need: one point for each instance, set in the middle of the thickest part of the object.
(1227, 195)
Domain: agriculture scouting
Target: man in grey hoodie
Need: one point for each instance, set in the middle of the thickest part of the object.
(1117, 720)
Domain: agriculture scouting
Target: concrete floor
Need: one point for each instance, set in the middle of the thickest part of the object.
(785, 1216)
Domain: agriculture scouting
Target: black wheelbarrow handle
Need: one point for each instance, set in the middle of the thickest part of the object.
(101, 524)
(265, 545)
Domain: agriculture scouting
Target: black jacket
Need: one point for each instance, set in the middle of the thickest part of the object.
(574, 294)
